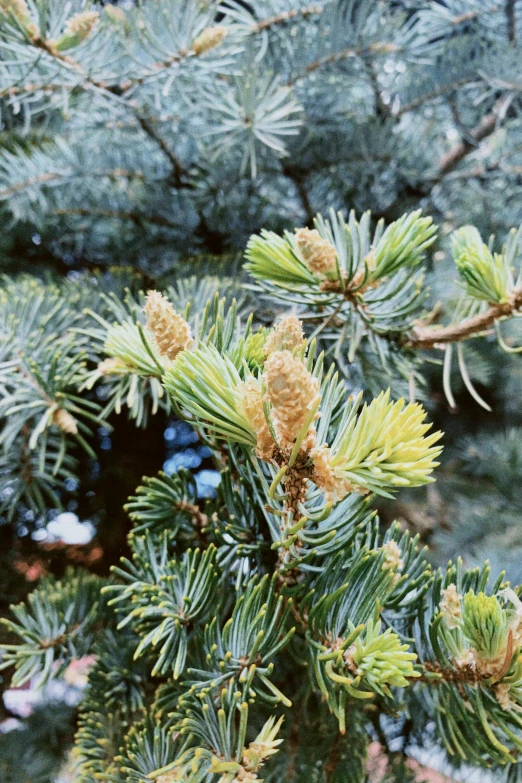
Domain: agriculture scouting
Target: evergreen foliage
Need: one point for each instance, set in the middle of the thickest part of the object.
(122, 122)
(277, 628)
(288, 564)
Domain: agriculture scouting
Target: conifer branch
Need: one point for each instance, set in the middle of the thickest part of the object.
(28, 87)
(71, 64)
(481, 131)
(469, 16)
(433, 337)
(41, 179)
(143, 122)
(287, 16)
(178, 171)
(376, 48)
(281, 592)
(439, 92)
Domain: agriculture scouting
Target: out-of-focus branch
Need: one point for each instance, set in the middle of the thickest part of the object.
(485, 128)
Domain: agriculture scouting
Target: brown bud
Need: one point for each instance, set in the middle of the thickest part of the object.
(293, 392)
(287, 336)
(65, 421)
(252, 409)
(170, 331)
(209, 38)
(318, 254)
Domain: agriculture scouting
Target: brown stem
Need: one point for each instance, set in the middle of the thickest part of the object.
(47, 46)
(485, 128)
(433, 337)
(27, 469)
(429, 96)
(448, 162)
(146, 126)
(469, 16)
(33, 87)
(41, 179)
(123, 87)
(286, 16)
(380, 47)
(177, 169)
(199, 519)
(458, 676)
